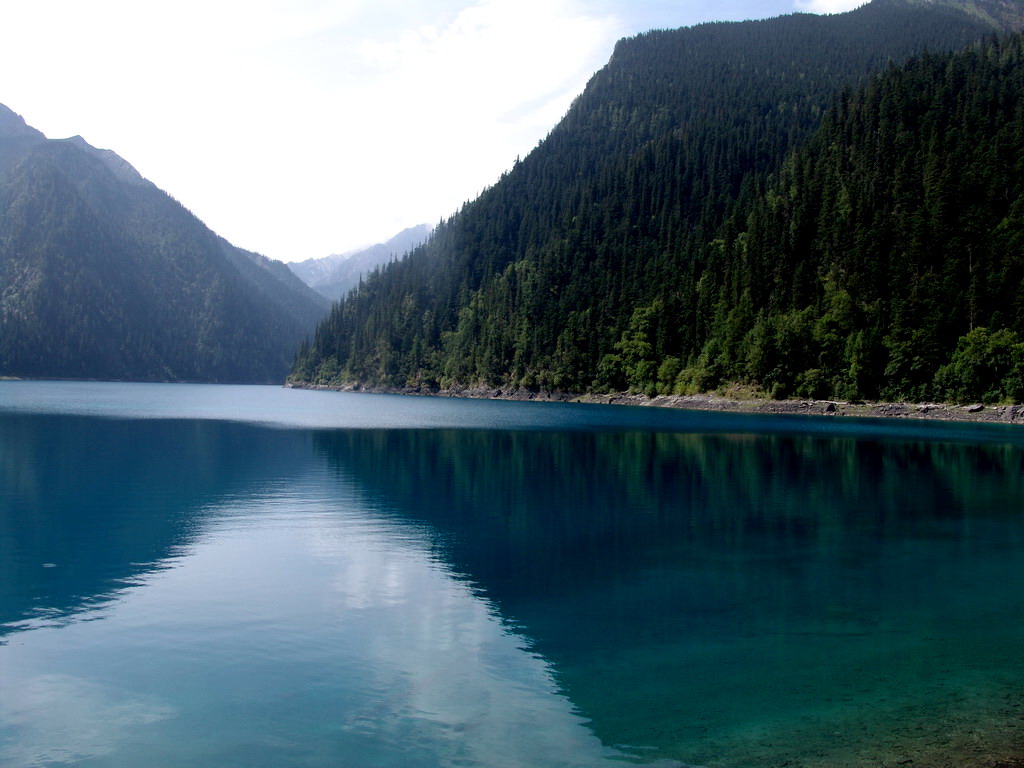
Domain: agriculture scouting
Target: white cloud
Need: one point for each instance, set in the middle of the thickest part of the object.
(62, 719)
(300, 129)
(827, 6)
(439, 111)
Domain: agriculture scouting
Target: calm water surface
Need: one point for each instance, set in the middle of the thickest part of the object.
(251, 576)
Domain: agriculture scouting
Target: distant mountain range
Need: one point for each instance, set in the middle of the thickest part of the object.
(334, 276)
(105, 276)
(811, 206)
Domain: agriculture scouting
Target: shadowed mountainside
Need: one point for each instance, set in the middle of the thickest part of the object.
(103, 275)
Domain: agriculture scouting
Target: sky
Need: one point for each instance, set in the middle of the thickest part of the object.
(303, 128)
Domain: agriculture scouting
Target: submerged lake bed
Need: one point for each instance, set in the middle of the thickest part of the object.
(194, 574)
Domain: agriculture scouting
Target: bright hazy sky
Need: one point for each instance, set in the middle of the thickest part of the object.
(301, 128)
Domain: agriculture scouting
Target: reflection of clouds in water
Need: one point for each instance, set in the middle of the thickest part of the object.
(314, 637)
(51, 719)
(370, 581)
(449, 678)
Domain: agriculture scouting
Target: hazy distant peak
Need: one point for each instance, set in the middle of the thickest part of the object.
(81, 143)
(120, 167)
(13, 126)
(405, 240)
(333, 276)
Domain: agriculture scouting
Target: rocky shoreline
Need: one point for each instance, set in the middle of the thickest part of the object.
(976, 412)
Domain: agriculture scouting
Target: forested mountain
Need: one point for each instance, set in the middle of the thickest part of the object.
(334, 276)
(666, 235)
(102, 275)
(886, 257)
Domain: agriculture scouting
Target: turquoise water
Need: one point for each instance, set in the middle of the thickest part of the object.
(212, 575)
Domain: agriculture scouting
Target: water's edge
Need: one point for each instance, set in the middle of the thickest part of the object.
(1004, 414)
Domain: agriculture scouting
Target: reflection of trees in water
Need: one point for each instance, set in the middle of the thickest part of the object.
(758, 521)
(105, 500)
(663, 575)
(617, 496)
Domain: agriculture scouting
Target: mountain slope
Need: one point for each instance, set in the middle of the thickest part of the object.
(1003, 15)
(581, 268)
(102, 275)
(334, 276)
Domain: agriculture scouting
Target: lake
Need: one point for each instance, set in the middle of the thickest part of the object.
(201, 575)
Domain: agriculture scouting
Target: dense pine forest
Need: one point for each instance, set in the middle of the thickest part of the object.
(885, 258)
(104, 276)
(815, 206)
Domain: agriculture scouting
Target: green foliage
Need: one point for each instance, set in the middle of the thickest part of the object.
(637, 348)
(986, 367)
